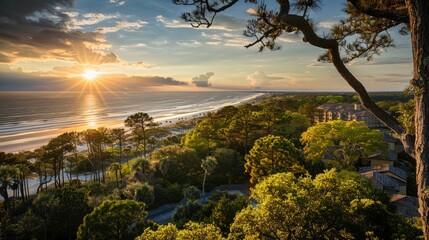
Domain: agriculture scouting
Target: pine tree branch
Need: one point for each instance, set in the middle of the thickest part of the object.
(334, 54)
(392, 11)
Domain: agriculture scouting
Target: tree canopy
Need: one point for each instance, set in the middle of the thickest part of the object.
(192, 230)
(331, 206)
(363, 33)
(272, 154)
(114, 219)
(345, 142)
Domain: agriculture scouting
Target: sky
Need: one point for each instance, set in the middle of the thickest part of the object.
(124, 45)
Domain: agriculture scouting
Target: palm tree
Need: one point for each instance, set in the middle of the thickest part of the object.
(143, 169)
(116, 168)
(208, 164)
(23, 171)
(8, 174)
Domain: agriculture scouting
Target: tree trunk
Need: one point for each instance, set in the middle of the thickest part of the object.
(204, 183)
(21, 186)
(419, 26)
(7, 202)
(144, 143)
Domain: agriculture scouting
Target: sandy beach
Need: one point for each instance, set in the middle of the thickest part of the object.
(32, 140)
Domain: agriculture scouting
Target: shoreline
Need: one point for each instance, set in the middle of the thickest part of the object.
(14, 143)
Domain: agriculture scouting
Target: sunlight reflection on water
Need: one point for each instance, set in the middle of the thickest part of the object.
(91, 109)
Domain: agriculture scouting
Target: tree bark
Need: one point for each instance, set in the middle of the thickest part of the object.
(419, 26)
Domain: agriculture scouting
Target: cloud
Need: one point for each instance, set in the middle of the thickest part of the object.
(172, 23)
(378, 61)
(227, 39)
(317, 64)
(229, 23)
(259, 79)
(192, 43)
(123, 26)
(289, 38)
(327, 24)
(388, 78)
(89, 18)
(39, 30)
(139, 81)
(202, 80)
(15, 80)
(119, 3)
(221, 22)
(142, 64)
(252, 11)
(391, 60)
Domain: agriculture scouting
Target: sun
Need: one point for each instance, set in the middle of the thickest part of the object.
(89, 75)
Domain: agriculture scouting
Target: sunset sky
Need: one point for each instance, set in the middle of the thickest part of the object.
(143, 44)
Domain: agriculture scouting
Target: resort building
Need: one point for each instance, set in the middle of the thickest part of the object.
(386, 177)
(347, 112)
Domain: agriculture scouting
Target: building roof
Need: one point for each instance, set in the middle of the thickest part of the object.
(381, 179)
(384, 168)
(407, 206)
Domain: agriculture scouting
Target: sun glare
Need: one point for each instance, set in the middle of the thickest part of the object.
(89, 75)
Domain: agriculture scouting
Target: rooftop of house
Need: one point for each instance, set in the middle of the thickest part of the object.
(384, 168)
(386, 181)
(407, 206)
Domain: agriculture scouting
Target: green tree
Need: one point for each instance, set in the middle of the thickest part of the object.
(139, 123)
(96, 156)
(164, 232)
(8, 174)
(117, 219)
(363, 33)
(190, 211)
(331, 206)
(406, 116)
(219, 210)
(22, 179)
(176, 164)
(205, 136)
(293, 124)
(191, 193)
(208, 165)
(56, 214)
(116, 169)
(119, 136)
(230, 167)
(242, 128)
(56, 150)
(145, 193)
(192, 230)
(272, 154)
(345, 141)
(224, 210)
(75, 140)
(143, 170)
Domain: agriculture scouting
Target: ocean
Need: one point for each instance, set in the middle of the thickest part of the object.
(28, 118)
